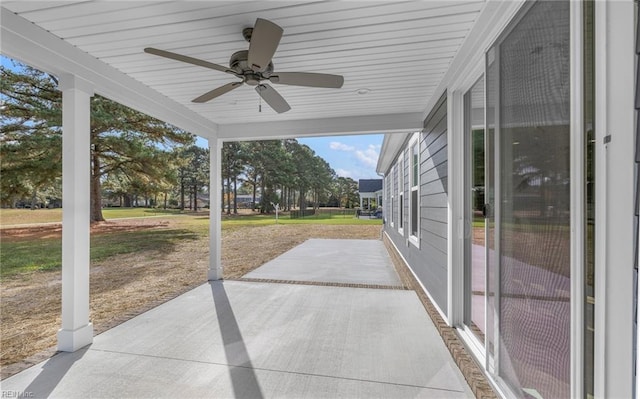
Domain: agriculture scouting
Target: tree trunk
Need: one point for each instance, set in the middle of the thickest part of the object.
(235, 196)
(182, 195)
(301, 199)
(284, 198)
(195, 198)
(165, 200)
(253, 203)
(228, 196)
(263, 195)
(222, 193)
(34, 196)
(96, 195)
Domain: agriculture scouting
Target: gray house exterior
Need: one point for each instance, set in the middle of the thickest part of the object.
(510, 157)
(502, 205)
(426, 251)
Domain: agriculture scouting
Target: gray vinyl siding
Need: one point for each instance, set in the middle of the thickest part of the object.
(429, 261)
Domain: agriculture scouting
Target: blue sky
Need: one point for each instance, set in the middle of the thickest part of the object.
(350, 156)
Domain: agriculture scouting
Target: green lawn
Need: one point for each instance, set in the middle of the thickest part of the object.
(262, 220)
(18, 255)
(25, 255)
(27, 216)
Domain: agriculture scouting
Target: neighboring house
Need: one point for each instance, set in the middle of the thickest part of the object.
(495, 205)
(246, 200)
(370, 191)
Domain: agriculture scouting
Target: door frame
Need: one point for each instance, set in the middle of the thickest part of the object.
(457, 228)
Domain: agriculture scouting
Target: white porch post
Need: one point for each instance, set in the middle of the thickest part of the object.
(215, 232)
(76, 331)
(615, 120)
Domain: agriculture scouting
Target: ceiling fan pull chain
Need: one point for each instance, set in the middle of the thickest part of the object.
(259, 104)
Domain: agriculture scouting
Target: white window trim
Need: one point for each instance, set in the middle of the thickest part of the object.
(401, 214)
(392, 199)
(414, 239)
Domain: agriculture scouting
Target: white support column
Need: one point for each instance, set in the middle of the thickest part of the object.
(215, 213)
(615, 120)
(76, 331)
(455, 212)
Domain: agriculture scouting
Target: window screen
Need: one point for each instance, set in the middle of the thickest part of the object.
(533, 197)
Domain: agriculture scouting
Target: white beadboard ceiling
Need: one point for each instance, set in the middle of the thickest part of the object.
(399, 50)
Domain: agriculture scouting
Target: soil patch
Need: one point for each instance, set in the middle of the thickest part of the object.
(124, 286)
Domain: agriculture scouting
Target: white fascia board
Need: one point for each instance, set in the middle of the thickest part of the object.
(391, 145)
(493, 19)
(347, 125)
(32, 45)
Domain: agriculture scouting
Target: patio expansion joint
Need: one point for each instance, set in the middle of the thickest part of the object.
(322, 283)
(334, 377)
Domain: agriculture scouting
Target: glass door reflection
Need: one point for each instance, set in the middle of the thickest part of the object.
(475, 250)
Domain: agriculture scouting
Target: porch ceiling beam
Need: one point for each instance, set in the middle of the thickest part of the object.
(365, 124)
(29, 43)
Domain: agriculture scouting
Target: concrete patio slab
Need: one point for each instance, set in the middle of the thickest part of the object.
(332, 261)
(252, 340)
(249, 339)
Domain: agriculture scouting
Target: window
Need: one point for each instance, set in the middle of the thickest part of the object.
(392, 202)
(387, 193)
(415, 180)
(401, 194)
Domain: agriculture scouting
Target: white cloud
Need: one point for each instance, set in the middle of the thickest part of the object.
(336, 145)
(368, 157)
(343, 173)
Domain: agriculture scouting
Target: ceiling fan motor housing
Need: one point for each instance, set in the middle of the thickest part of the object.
(239, 63)
(246, 33)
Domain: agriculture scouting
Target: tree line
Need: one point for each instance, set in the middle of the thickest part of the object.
(140, 160)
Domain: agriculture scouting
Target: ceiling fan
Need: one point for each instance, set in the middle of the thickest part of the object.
(254, 66)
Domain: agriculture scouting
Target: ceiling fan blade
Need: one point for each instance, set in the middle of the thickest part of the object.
(273, 98)
(264, 42)
(308, 79)
(187, 59)
(210, 95)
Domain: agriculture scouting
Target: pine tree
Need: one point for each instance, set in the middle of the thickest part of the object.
(123, 141)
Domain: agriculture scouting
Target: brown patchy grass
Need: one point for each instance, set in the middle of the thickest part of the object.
(126, 285)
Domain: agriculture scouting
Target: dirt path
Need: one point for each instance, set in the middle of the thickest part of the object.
(126, 285)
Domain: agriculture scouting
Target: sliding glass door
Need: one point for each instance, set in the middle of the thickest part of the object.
(518, 212)
(528, 243)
